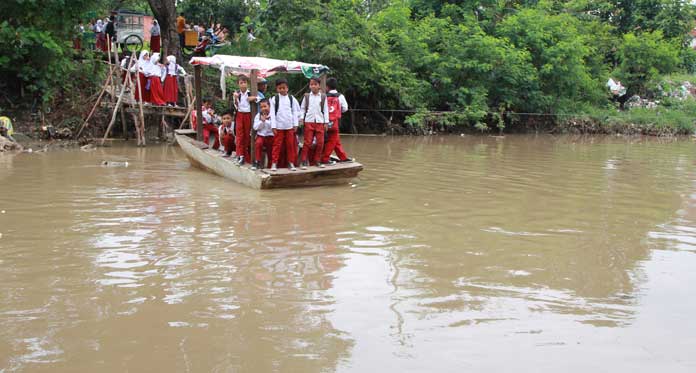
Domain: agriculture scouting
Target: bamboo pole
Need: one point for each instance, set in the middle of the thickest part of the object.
(188, 113)
(111, 71)
(253, 81)
(118, 104)
(198, 103)
(101, 94)
(141, 127)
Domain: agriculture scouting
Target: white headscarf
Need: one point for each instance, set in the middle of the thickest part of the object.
(154, 69)
(172, 66)
(143, 64)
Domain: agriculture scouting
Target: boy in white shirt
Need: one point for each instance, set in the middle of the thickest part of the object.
(264, 135)
(285, 113)
(315, 119)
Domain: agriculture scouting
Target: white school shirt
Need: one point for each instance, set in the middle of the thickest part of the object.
(175, 70)
(263, 128)
(243, 105)
(342, 100)
(314, 114)
(285, 119)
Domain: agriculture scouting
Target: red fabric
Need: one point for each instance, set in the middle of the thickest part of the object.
(155, 43)
(227, 139)
(156, 92)
(259, 145)
(334, 105)
(284, 141)
(333, 143)
(207, 130)
(143, 82)
(77, 44)
(101, 41)
(243, 132)
(312, 130)
(171, 89)
(228, 143)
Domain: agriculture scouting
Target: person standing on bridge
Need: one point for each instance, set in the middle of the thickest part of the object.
(171, 83)
(155, 40)
(154, 81)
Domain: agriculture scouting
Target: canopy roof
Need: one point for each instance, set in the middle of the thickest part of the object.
(239, 65)
(266, 67)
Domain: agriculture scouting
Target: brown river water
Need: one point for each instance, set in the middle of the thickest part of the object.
(448, 254)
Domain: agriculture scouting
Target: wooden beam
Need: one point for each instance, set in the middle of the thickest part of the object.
(323, 83)
(199, 102)
(253, 80)
(141, 125)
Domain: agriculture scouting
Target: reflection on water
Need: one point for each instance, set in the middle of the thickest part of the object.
(543, 250)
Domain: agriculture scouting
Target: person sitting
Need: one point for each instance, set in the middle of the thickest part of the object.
(264, 135)
(202, 46)
(226, 133)
(209, 126)
(6, 129)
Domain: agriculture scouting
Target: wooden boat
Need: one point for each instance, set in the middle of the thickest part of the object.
(201, 156)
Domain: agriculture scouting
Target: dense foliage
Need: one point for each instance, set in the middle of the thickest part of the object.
(452, 62)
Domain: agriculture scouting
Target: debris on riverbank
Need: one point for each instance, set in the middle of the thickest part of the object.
(9, 146)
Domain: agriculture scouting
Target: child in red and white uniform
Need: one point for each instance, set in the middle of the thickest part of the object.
(315, 121)
(337, 106)
(242, 101)
(154, 80)
(171, 83)
(264, 135)
(285, 112)
(141, 67)
(209, 126)
(226, 132)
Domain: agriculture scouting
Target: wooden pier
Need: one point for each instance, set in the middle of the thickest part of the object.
(117, 94)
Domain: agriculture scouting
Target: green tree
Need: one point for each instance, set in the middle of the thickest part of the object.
(643, 57)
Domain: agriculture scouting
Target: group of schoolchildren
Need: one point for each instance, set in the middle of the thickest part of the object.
(276, 124)
(158, 82)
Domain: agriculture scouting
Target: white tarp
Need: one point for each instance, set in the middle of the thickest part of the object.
(266, 67)
(615, 87)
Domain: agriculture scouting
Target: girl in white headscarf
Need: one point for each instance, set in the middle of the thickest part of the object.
(99, 32)
(154, 80)
(171, 84)
(141, 67)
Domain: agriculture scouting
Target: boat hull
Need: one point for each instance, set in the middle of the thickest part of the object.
(210, 160)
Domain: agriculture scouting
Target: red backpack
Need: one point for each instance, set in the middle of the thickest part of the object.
(334, 105)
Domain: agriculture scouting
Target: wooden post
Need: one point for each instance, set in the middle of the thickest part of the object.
(123, 124)
(253, 81)
(323, 83)
(140, 128)
(113, 116)
(188, 113)
(199, 102)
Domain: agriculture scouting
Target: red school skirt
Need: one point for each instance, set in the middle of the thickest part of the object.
(156, 92)
(171, 89)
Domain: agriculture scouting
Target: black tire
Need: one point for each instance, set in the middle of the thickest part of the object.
(132, 43)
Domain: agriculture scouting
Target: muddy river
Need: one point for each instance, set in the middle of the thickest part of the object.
(448, 254)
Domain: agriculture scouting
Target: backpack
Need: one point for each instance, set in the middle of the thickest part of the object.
(277, 104)
(321, 105)
(334, 107)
